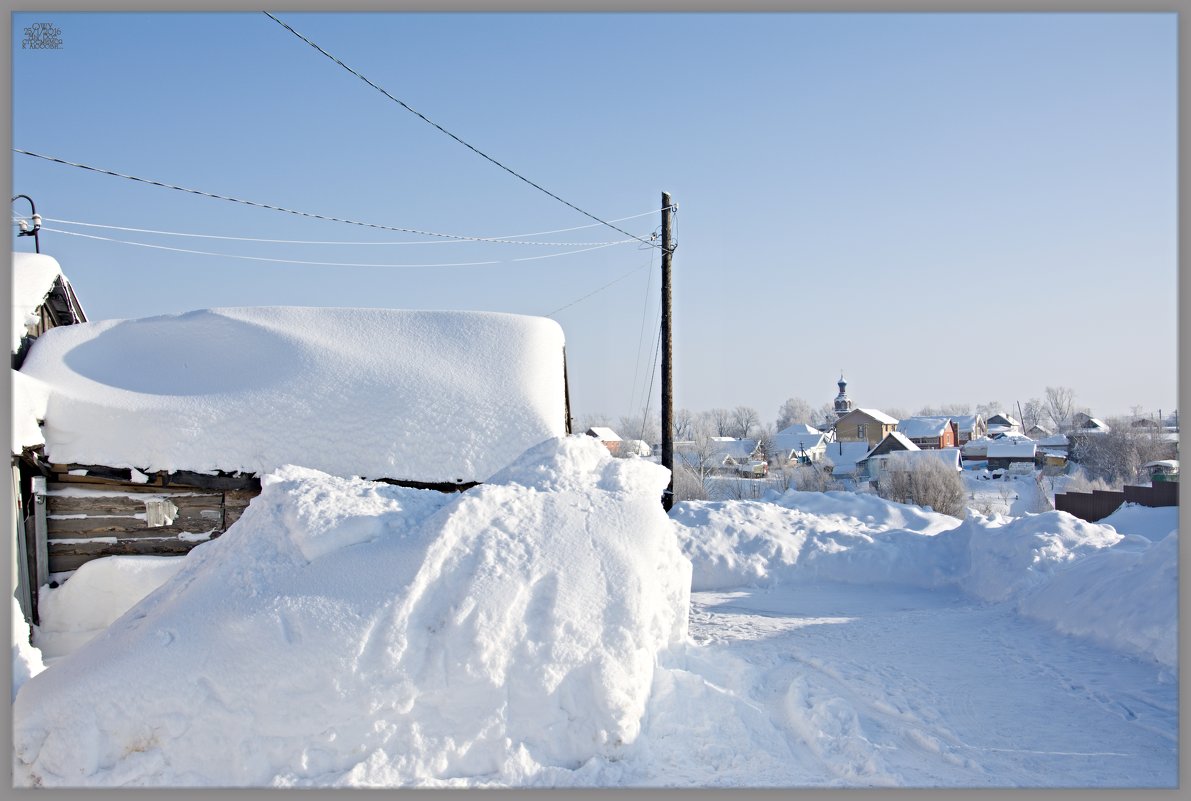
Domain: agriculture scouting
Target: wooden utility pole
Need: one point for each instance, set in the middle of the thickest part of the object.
(667, 351)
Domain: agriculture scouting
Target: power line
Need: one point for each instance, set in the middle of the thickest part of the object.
(593, 292)
(641, 334)
(470, 147)
(307, 214)
(314, 263)
(496, 240)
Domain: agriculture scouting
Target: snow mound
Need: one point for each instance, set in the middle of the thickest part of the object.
(96, 595)
(742, 543)
(344, 632)
(26, 660)
(33, 276)
(1152, 523)
(1084, 579)
(29, 398)
(411, 395)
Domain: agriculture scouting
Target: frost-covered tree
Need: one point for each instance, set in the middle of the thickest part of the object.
(1033, 413)
(945, 410)
(684, 425)
(717, 422)
(643, 426)
(987, 410)
(1060, 406)
(744, 420)
(795, 410)
(924, 482)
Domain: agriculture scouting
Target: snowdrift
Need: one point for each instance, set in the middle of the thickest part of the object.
(379, 393)
(1084, 579)
(344, 632)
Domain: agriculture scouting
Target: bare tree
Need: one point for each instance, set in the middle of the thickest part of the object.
(684, 425)
(744, 420)
(813, 478)
(946, 410)
(924, 482)
(641, 426)
(795, 410)
(987, 410)
(896, 412)
(824, 414)
(765, 442)
(1033, 413)
(1060, 405)
(1115, 457)
(592, 420)
(718, 422)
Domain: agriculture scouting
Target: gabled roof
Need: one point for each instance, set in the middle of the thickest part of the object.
(788, 439)
(797, 428)
(434, 397)
(1001, 419)
(922, 427)
(35, 277)
(966, 422)
(875, 414)
(1011, 448)
(845, 455)
(894, 441)
(603, 434)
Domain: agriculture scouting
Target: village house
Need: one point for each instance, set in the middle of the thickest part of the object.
(159, 433)
(797, 444)
(846, 458)
(1002, 423)
(864, 425)
(1004, 452)
(607, 437)
(929, 432)
(969, 427)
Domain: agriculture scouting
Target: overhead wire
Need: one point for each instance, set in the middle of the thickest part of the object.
(431, 122)
(495, 240)
(315, 263)
(641, 334)
(311, 215)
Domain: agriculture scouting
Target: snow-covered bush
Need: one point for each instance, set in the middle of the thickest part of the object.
(923, 482)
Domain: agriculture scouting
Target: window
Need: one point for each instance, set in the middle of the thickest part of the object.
(861, 432)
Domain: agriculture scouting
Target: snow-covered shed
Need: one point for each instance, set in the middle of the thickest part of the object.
(157, 430)
(609, 438)
(42, 298)
(845, 456)
(1008, 450)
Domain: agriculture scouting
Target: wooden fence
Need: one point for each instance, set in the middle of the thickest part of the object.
(1099, 504)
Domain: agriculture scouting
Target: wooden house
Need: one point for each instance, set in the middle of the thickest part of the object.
(160, 430)
(969, 427)
(1002, 423)
(607, 437)
(930, 432)
(864, 425)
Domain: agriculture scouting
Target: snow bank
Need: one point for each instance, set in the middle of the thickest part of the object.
(29, 397)
(425, 396)
(26, 660)
(1081, 578)
(1152, 523)
(740, 543)
(96, 595)
(344, 632)
(33, 276)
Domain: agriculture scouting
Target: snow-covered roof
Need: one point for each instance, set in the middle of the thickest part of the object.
(919, 427)
(603, 434)
(966, 422)
(1054, 441)
(735, 448)
(1002, 419)
(33, 276)
(879, 416)
(797, 428)
(1094, 424)
(845, 455)
(948, 456)
(1011, 447)
(790, 440)
(407, 395)
(900, 439)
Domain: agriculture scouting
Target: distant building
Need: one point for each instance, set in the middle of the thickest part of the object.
(929, 432)
(864, 425)
(607, 437)
(843, 404)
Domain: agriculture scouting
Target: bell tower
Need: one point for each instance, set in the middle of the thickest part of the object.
(843, 404)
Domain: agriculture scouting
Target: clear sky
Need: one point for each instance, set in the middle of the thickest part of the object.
(949, 208)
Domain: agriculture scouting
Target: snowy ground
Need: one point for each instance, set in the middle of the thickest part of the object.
(525, 633)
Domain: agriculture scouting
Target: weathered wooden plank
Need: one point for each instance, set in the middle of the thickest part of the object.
(67, 557)
(122, 477)
(127, 527)
(125, 505)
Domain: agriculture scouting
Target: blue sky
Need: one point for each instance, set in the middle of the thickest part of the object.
(950, 208)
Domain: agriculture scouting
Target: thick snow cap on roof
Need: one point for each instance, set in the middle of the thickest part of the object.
(877, 415)
(33, 276)
(1011, 448)
(409, 395)
(923, 426)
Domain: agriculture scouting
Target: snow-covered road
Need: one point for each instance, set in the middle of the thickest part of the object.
(894, 686)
